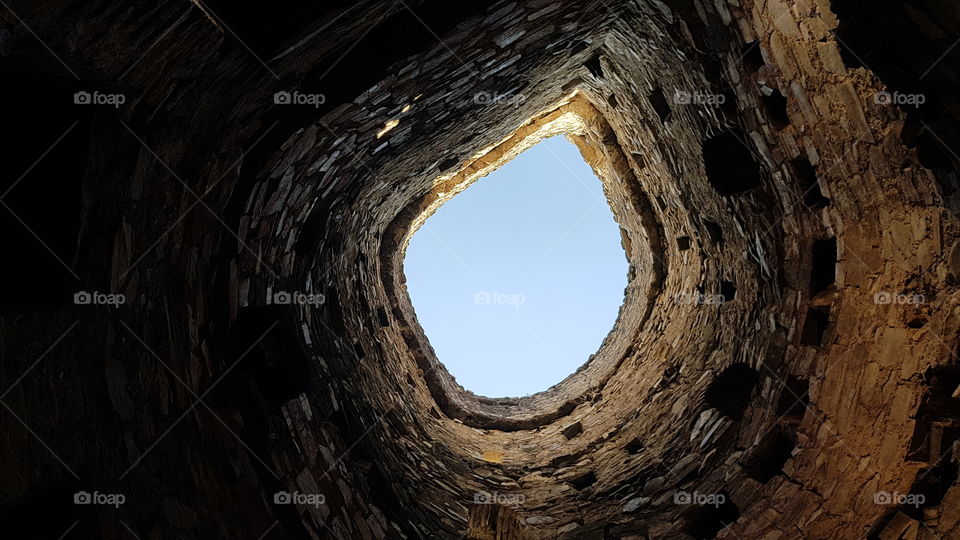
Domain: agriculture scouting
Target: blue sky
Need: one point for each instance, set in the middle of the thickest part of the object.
(517, 280)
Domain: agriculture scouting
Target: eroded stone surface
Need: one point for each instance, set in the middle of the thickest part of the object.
(806, 407)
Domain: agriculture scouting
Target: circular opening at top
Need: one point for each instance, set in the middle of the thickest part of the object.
(518, 280)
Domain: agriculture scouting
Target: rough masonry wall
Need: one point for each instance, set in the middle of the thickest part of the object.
(773, 209)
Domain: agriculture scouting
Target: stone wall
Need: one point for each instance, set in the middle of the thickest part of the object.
(784, 354)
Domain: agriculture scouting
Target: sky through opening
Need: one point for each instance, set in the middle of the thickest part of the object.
(517, 280)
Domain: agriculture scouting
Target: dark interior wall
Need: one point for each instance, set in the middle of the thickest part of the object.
(911, 47)
(47, 151)
(199, 197)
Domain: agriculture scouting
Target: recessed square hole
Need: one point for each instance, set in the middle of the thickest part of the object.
(583, 480)
(731, 390)
(572, 430)
(775, 107)
(823, 267)
(594, 66)
(771, 453)
(794, 398)
(753, 56)
(731, 168)
(635, 446)
(815, 325)
(728, 291)
(809, 184)
(660, 104)
(714, 231)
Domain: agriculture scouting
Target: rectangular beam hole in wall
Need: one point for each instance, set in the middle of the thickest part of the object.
(815, 325)
(660, 104)
(809, 184)
(823, 267)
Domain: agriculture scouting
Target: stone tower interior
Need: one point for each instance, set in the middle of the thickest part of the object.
(173, 164)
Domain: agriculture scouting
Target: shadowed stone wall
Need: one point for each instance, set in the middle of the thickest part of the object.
(784, 361)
